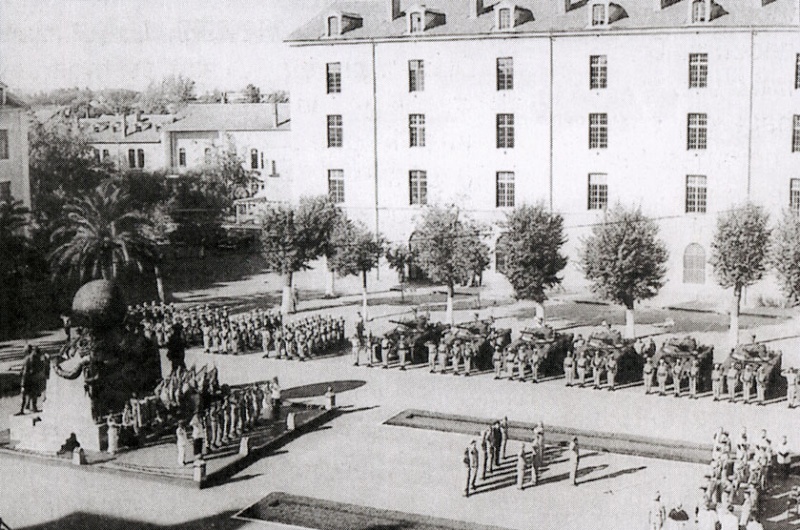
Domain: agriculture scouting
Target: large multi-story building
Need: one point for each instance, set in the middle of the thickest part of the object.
(683, 107)
(14, 178)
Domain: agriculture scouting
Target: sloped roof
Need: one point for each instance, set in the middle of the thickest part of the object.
(101, 130)
(547, 18)
(232, 117)
(11, 99)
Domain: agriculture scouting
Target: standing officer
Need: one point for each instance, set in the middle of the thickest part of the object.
(791, 385)
(523, 355)
(574, 460)
(521, 465)
(647, 375)
(471, 462)
(611, 366)
(442, 356)
(676, 377)
(486, 452)
(733, 379)
(538, 444)
(716, 382)
(694, 374)
(497, 441)
(504, 435)
(597, 368)
(761, 383)
(497, 358)
(511, 358)
(747, 382)
(569, 368)
(661, 376)
(431, 346)
(469, 353)
(402, 351)
(355, 343)
(581, 367)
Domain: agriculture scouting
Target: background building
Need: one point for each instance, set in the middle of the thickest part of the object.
(14, 179)
(683, 107)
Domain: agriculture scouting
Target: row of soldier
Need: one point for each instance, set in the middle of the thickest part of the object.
(305, 338)
(734, 377)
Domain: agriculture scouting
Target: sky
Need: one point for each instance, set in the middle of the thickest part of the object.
(225, 44)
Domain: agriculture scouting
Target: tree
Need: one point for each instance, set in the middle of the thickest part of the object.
(168, 95)
(294, 236)
(739, 254)
(252, 94)
(531, 244)
(451, 249)
(625, 259)
(357, 251)
(400, 258)
(279, 96)
(99, 233)
(785, 255)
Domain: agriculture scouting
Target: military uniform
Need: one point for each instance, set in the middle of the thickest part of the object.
(694, 374)
(471, 462)
(402, 352)
(647, 375)
(611, 366)
(716, 382)
(431, 346)
(761, 384)
(661, 375)
(497, 359)
(442, 357)
(747, 382)
(521, 465)
(791, 386)
(676, 377)
(733, 379)
(597, 369)
(569, 369)
(534, 361)
(581, 366)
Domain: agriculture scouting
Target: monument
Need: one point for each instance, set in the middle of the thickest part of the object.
(94, 375)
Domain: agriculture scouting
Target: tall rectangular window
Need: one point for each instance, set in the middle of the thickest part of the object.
(504, 19)
(181, 157)
(697, 134)
(140, 157)
(131, 158)
(335, 130)
(416, 130)
(5, 191)
(336, 185)
(3, 144)
(505, 189)
(698, 70)
(598, 131)
(794, 195)
(417, 187)
(505, 73)
(696, 194)
(598, 72)
(253, 158)
(334, 78)
(505, 131)
(598, 191)
(796, 134)
(797, 72)
(416, 75)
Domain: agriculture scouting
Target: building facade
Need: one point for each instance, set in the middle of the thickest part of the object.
(14, 176)
(682, 107)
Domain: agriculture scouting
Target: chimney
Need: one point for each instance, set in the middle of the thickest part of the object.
(475, 8)
(394, 9)
(124, 129)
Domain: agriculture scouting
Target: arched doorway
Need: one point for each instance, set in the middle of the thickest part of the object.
(694, 264)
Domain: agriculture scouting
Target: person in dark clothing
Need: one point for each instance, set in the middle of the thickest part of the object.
(176, 348)
(497, 441)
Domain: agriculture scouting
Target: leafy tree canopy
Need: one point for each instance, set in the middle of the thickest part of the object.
(357, 250)
(740, 246)
(785, 256)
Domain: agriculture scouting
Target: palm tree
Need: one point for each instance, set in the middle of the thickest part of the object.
(99, 233)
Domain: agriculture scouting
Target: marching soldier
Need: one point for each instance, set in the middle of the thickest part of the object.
(569, 368)
(694, 374)
(597, 369)
(716, 382)
(647, 375)
(581, 367)
(733, 378)
(791, 385)
(497, 359)
(747, 382)
(676, 377)
(661, 376)
(761, 383)
(611, 366)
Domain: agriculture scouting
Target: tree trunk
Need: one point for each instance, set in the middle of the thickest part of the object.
(539, 311)
(159, 284)
(364, 296)
(630, 326)
(330, 288)
(287, 305)
(449, 314)
(733, 332)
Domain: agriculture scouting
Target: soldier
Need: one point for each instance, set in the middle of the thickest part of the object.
(574, 460)
(581, 367)
(511, 358)
(442, 357)
(647, 375)
(676, 377)
(181, 439)
(611, 366)
(716, 382)
(569, 368)
(206, 329)
(431, 346)
(497, 441)
(504, 435)
(385, 346)
(402, 351)
(471, 461)
(578, 343)
(497, 358)
(658, 514)
(521, 465)
(661, 376)
(538, 444)
(733, 378)
(486, 452)
(791, 386)
(597, 369)
(523, 355)
(31, 379)
(694, 374)
(534, 361)
(469, 353)
(747, 382)
(355, 344)
(455, 355)
(761, 383)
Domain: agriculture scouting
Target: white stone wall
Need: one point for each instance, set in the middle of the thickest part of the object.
(14, 169)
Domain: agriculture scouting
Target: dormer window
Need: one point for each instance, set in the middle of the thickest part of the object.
(599, 15)
(333, 26)
(415, 23)
(699, 12)
(504, 19)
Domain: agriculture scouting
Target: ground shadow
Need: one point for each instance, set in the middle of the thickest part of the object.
(319, 389)
(615, 474)
(87, 521)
